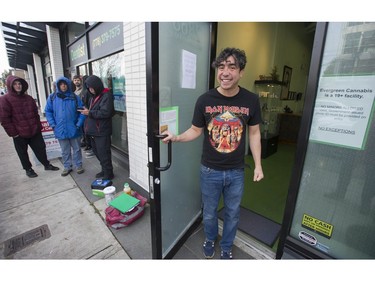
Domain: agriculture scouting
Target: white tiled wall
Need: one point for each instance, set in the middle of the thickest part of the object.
(135, 86)
(54, 48)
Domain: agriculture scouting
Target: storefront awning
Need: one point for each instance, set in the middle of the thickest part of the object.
(22, 39)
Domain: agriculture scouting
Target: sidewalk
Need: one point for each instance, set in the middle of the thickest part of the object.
(48, 217)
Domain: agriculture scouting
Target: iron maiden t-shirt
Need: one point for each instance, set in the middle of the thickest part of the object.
(225, 120)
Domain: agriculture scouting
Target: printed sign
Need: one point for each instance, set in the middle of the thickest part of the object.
(321, 227)
(52, 144)
(343, 110)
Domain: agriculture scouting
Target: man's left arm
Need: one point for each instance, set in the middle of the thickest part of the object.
(256, 149)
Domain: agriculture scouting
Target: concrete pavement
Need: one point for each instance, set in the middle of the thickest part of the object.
(48, 217)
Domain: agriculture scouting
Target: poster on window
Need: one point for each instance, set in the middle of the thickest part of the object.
(189, 70)
(169, 119)
(118, 84)
(343, 110)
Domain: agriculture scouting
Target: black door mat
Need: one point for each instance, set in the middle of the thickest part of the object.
(257, 226)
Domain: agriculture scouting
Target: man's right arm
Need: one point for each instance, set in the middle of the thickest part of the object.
(190, 134)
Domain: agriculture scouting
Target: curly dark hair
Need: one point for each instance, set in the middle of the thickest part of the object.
(238, 55)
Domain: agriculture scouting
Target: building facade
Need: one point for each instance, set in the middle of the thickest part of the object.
(329, 210)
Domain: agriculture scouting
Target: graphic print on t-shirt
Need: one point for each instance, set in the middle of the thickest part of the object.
(225, 128)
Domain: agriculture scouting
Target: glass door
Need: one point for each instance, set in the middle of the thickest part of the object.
(178, 60)
(334, 206)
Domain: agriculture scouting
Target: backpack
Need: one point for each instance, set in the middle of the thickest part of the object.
(116, 219)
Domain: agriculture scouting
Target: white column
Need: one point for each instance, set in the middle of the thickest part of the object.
(54, 48)
(136, 102)
(40, 81)
(30, 79)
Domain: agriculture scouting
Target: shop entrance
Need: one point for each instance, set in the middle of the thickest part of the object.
(282, 105)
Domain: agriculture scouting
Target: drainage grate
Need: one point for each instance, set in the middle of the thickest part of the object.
(21, 241)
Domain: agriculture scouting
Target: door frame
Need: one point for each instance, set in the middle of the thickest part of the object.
(286, 241)
(152, 88)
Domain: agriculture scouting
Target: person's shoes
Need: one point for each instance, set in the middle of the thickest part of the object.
(209, 249)
(31, 173)
(66, 172)
(90, 154)
(99, 175)
(226, 255)
(109, 177)
(50, 167)
(80, 170)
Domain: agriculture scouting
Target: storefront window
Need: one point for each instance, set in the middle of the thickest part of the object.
(75, 29)
(111, 70)
(335, 207)
(82, 70)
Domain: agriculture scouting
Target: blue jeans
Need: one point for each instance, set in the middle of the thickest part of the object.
(67, 147)
(230, 183)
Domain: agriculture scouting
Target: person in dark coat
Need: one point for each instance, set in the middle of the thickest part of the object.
(20, 118)
(86, 98)
(98, 124)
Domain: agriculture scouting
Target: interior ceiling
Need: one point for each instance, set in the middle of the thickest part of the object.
(22, 39)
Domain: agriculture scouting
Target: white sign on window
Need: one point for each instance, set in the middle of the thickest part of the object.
(343, 110)
(189, 70)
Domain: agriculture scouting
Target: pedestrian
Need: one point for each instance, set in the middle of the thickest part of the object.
(98, 125)
(53, 87)
(66, 121)
(223, 115)
(77, 81)
(20, 118)
(78, 90)
(86, 98)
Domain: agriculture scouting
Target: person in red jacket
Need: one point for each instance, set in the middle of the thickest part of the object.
(20, 118)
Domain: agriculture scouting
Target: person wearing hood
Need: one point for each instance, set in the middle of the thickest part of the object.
(20, 118)
(98, 125)
(86, 98)
(66, 121)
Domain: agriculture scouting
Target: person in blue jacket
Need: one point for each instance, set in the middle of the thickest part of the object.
(66, 121)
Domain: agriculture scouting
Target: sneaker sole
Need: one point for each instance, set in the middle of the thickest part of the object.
(65, 174)
(209, 257)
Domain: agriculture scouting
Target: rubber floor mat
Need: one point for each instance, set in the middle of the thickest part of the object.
(257, 226)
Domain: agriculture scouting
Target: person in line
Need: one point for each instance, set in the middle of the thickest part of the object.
(78, 88)
(66, 121)
(229, 109)
(20, 118)
(54, 87)
(98, 125)
(77, 81)
(86, 98)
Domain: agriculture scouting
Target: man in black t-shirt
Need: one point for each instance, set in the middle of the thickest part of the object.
(223, 114)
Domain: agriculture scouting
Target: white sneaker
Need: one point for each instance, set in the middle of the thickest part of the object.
(90, 154)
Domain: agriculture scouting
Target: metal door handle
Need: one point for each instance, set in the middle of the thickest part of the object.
(169, 154)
